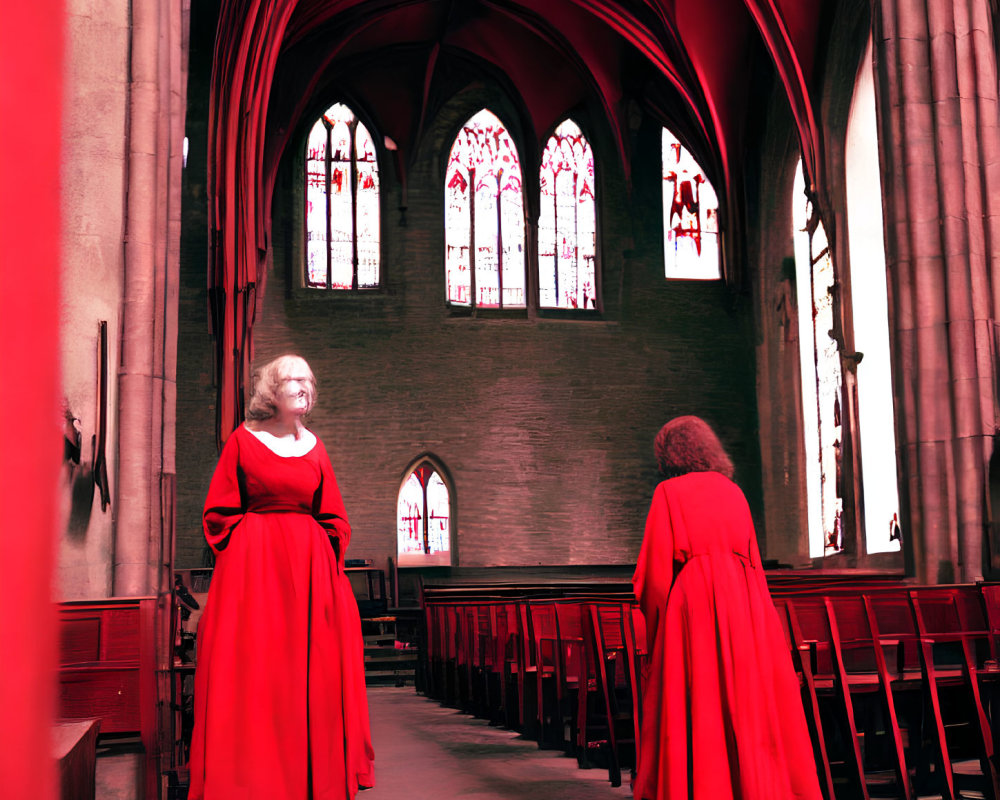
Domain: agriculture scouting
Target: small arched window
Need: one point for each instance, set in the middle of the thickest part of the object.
(819, 361)
(342, 203)
(424, 518)
(567, 228)
(484, 217)
(690, 216)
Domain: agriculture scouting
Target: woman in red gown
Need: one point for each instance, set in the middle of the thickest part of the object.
(722, 715)
(280, 706)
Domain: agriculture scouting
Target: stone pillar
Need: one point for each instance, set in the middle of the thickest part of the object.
(146, 375)
(937, 81)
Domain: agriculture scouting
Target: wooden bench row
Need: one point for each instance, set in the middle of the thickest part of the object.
(563, 670)
(900, 683)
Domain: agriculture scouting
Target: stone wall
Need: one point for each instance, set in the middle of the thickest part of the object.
(93, 185)
(545, 424)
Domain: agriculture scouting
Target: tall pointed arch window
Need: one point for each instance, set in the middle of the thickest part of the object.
(869, 298)
(819, 360)
(567, 227)
(343, 231)
(484, 217)
(690, 216)
(424, 518)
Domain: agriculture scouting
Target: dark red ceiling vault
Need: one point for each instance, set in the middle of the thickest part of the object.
(275, 58)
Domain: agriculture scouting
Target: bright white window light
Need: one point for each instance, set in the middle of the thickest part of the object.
(690, 215)
(819, 353)
(871, 322)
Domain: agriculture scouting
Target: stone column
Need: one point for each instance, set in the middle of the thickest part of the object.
(147, 373)
(939, 142)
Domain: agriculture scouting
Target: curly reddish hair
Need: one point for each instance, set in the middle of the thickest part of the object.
(688, 444)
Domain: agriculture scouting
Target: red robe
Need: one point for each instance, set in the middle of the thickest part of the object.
(722, 713)
(280, 706)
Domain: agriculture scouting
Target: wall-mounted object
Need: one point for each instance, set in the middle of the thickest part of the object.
(99, 441)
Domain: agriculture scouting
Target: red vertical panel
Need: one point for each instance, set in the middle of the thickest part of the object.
(31, 50)
(247, 43)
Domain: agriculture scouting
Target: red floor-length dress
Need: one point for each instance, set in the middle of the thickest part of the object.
(722, 715)
(280, 706)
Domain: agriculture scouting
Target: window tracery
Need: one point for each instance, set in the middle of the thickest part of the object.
(423, 519)
(690, 215)
(567, 233)
(343, 228)
(819, 358)
(484, 217)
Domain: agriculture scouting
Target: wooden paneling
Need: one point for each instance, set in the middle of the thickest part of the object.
(108, 671)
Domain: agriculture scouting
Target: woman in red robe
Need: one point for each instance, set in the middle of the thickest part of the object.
(280, 706)
(722, 715)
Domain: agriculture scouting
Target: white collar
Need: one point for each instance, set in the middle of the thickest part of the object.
(287, 446)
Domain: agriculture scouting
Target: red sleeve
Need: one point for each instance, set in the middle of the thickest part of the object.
(328, 506)
(225, 504)
(654, 572)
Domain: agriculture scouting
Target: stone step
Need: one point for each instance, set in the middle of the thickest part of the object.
(390, 677)
(388, 638)
(390, 658)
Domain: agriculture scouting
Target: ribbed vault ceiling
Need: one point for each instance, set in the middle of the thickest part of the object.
(692, 63)
(696, 66)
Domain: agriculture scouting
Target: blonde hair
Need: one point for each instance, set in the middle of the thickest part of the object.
(266, 382)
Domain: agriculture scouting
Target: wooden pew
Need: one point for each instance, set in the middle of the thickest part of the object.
(541, 689)
(611, 648)
(955, 648)
(107, 671)
(872, 653)
(863, 655)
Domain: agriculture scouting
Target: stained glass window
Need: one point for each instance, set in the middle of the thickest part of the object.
(423, 519)
(484, 217)
(342, 203)
(870, 302)
(690, 216)
(567, 231)
(819, 359)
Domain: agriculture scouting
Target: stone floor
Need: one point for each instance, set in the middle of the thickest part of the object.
(424, 751)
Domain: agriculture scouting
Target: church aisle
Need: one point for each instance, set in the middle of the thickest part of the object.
(424, 751)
